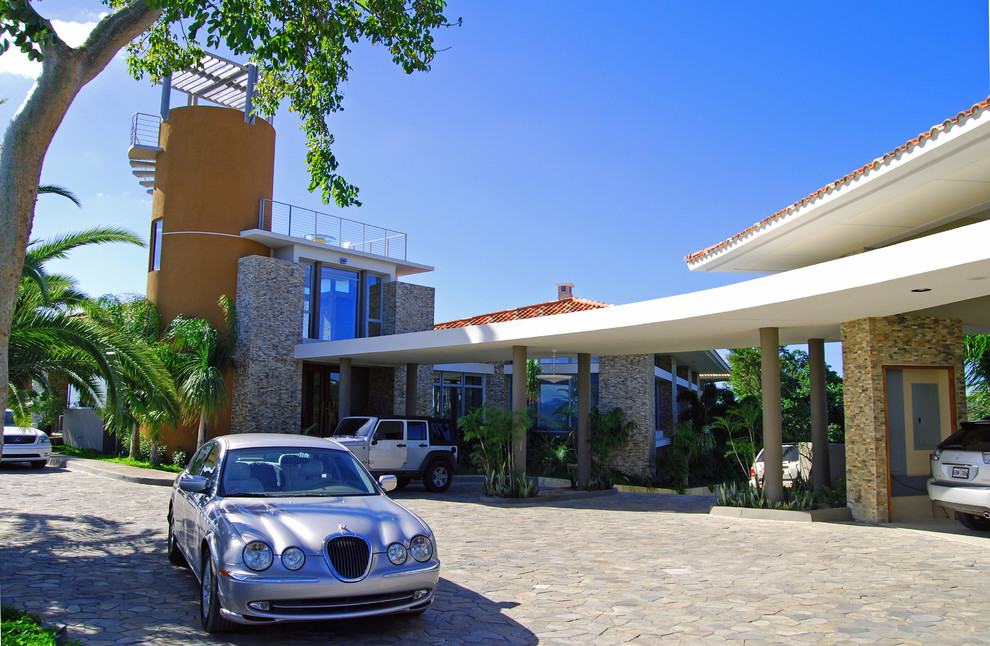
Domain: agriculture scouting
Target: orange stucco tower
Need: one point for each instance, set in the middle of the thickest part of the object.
(210, 175)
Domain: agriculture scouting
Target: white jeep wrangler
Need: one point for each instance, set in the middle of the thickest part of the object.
(406, 447)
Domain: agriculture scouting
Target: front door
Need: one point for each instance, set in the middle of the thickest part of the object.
(319, 399)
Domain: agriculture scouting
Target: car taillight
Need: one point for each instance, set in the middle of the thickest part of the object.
(752, 471)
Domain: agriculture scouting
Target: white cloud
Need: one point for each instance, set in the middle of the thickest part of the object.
(13, 61)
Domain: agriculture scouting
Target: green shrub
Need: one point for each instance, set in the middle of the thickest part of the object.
(799, 497)
(179, 458)
(490, 430)
(20, 628)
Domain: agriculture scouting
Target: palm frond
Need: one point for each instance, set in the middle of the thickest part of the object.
(53, 189)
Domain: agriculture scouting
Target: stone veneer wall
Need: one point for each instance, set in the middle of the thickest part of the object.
(424, 390)
(407, 308)
(267, 390)
(382, 391)
(867, 346)
(626, 382)
(496, 386)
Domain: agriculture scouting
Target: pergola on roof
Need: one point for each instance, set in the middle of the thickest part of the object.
(214, 79)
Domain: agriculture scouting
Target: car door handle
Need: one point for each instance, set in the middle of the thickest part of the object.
(401, 445)
(423, 446)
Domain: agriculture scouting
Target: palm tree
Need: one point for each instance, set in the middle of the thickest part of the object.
(139, 318)
(977, 357)
(202, 356)
(54, 339)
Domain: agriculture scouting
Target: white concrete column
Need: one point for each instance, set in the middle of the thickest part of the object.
(821, 467)
(344, 389)
(583, 447)
(675, 411)
(519, 411)
(773, 478)
(412, 386)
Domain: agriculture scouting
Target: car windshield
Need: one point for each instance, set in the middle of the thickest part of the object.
(293, 471)
(360, 426)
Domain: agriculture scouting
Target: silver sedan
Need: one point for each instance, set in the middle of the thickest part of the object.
(289, 528)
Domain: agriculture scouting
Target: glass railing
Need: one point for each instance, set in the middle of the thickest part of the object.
(299, 222)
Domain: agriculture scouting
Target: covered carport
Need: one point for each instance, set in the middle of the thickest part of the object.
(944, 275)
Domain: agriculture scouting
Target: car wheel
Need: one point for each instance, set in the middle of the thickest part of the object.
(209, 604)
(39, 464)
(175, 556)
(972, 521)
(437, 477)
(403, 482)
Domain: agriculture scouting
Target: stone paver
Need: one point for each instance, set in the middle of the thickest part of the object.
(89, 551)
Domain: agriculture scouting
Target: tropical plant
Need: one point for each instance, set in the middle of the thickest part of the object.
(795, 391)
(140, 320)
(742, 437)
(490, 430)
(200, 357)
(977, 362)
(688, 449)
(54, 341)
(608, 431)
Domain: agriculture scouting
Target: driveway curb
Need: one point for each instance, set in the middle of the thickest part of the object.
(113, 470)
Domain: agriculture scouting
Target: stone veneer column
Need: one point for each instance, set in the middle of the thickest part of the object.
(409, 308)
(867, 346)
(627, 382)
(267, 391)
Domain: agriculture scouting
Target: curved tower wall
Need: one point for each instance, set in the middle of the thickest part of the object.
(209, 178)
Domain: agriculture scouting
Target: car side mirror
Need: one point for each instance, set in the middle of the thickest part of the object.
(388, 483)
(193, 484)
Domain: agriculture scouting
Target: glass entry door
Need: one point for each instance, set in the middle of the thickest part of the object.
(320, 401)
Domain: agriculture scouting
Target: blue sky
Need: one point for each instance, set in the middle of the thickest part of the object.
(569, 141)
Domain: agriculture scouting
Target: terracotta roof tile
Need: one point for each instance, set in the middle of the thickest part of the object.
(865, 170)
(565, 306)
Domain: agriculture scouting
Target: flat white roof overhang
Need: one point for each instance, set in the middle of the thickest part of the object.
(805, 303)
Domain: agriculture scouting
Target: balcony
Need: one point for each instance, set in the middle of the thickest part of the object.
(306, 224)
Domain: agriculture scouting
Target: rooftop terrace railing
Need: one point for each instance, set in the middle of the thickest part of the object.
(299, 222)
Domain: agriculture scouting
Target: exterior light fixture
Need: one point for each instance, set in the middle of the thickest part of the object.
(553, 377)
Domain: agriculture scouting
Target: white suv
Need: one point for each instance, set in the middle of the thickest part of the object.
(406, 447)
(961, 474)
(24, 443)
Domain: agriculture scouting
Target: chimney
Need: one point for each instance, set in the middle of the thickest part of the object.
(564, 291)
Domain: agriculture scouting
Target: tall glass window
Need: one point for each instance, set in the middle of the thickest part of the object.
(456, 394)
(340, 304)
(155, 260)
(307, 300)
(373, 297)
(338, 298)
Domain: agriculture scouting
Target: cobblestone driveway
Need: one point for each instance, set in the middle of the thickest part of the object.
(89, 551)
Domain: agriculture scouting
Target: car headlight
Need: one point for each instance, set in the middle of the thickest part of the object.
(936, 455)
(397, 553)
(293, 558)
(43, 439)
(258, 556)
(421, 548)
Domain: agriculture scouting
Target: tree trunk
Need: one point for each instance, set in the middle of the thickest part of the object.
(201, 435)
(63, 73)
(135, 451)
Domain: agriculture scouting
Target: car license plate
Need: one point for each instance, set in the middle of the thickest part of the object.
(960, 472)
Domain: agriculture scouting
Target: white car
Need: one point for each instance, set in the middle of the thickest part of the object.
(793, 454)
(24, 443)
(961, 474)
